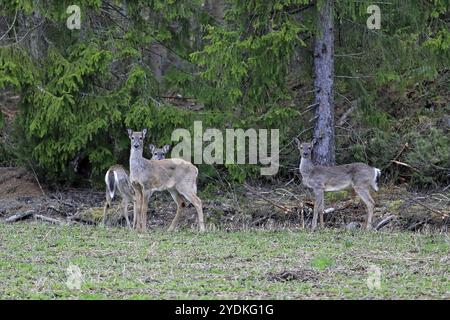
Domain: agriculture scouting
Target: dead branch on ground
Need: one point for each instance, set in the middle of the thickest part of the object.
(19, 216)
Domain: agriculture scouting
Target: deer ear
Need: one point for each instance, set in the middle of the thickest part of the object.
(297, 142)
(130, 132)
(144, 133)
(166, 148)
(151, 147)
(314, 141)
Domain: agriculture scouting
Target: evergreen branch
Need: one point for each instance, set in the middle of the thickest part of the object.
(353, 77)
(293, 10)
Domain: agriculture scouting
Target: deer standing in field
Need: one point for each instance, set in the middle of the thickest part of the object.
(358, 176)
(118, 181)
(177, 176)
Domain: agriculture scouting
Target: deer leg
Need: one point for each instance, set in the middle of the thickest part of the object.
(134, 222)
(145, 199)
(318, 208)
(137, 205)
(365, 196)
(141, 222)
(138, 210)
(105, 208)
(197, 203)
(322, 225)
(125, 211)
(180, 205)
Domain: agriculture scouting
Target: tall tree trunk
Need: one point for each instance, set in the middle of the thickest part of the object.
(158, 61)
(324, 150)
(215, 8)
(35, 42)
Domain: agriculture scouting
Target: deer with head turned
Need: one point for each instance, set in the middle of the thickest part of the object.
(359, 176)
(118, 181)
(177, 176)
(158, 153)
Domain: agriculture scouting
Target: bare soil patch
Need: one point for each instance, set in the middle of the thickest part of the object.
(303, 275)
(16, 183)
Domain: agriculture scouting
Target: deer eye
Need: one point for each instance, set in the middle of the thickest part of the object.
(132, 138)
(140, 138)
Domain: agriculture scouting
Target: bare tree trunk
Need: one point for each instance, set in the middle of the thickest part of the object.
(35, 42)
(215, 8)
(158, 61)
(324, 151)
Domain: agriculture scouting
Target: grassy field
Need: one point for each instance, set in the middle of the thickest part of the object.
(257, 264)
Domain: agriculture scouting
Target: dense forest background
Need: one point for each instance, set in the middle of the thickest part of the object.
(67, 96)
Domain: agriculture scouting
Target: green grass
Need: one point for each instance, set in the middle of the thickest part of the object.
(122, 264)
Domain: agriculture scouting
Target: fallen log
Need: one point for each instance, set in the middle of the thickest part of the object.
(384, 222)
(279, 206)
(19, 216)
(425, 206)
(405, 165)
(48, 219)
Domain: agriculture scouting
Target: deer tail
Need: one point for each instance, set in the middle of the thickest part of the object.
(110, 180)
(376, 178)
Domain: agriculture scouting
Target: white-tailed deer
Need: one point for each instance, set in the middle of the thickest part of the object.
(117, 181)
(158, 153)
(358, 176)
(177, 176)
